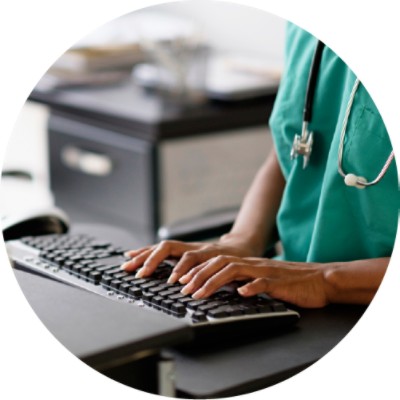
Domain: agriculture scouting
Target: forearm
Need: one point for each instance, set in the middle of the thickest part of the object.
(256, 220)
(355, 282)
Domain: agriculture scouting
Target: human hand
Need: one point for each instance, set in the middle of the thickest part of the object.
(189, 254)
(302, 284)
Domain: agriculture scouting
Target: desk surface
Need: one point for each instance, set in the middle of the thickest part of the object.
(98, 331)
(242, 367)
(227, 370)
(130, 110)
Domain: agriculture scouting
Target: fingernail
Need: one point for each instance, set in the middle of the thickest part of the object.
(173, 277)
(140, 273)
(126, 254)
(199, 294)
(187, 289)
(184, 279)
(123, 266)
(243, 290)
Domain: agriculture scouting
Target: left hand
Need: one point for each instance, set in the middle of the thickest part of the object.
(302, 284)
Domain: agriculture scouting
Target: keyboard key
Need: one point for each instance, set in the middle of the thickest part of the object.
(86, 262)
(148, 285)
(194, 304)
(199, 316)
(76, 269)
(264, 308)
(85, 271)
(124, 287)
(209, 305)
(178, 308)
(234, 310)
(135, 292)
(277, 306)
(177, 296)
(140, 281)
(175, 288)
(147, 296)
(103, 268)
(68, 264)
(113, 271)
(95, 277)
(156, 289)
(76, 258)
(248, 309)
(121, 275)
(115, 283)
(130, 278)
(166, 293)
(157, 300)
(223, 295)
(59, 260)
(167, 303)
(185, 300)
(106, 280)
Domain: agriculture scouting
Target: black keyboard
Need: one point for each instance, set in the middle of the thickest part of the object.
(94, 265)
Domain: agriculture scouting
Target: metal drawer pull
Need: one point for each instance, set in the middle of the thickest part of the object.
(86, 162)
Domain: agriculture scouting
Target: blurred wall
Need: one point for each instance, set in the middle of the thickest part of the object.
(233, 27)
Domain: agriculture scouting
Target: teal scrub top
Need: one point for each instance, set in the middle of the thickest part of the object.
(320, 218)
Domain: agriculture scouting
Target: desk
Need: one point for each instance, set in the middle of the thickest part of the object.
(226, 370)
(121, 341)
(231, 370)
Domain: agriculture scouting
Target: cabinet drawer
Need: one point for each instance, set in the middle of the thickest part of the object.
(103, 172)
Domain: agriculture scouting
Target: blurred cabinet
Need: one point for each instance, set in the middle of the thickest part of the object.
(123, 156)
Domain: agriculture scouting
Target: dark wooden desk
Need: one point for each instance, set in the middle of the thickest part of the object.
(103, 332)
(230, 368)
(242, 367)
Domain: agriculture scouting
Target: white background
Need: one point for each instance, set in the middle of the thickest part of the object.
(233, 27)
(365, 34)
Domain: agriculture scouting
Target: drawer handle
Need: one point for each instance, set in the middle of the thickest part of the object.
(85, 161)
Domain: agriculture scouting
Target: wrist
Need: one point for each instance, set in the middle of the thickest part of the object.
(354, 282)
(241, 241)
(332, 280)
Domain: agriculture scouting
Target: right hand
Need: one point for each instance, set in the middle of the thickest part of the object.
(189, 254)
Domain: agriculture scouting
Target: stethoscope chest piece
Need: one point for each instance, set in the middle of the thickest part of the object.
(302, 145)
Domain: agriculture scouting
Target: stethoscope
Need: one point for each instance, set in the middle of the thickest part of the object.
(302, 144)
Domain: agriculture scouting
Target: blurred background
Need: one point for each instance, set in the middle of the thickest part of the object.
(155, 122)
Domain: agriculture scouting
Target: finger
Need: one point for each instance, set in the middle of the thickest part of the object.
(188, 276)
(260, 285)
(137, 261)
(190, 259)
(238, 270)
(136, 252)
(231, 272)
(203, 274)
(161, 252)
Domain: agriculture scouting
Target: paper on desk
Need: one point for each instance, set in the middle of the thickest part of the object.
(117, 44)
(236, 77)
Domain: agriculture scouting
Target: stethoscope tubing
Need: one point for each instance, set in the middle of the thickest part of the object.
(306, 137)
